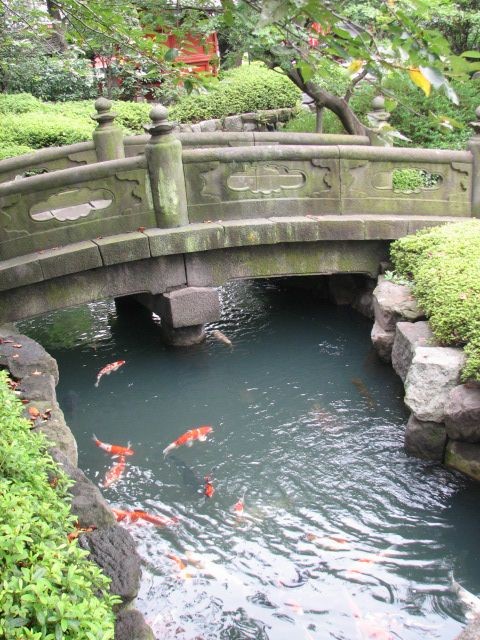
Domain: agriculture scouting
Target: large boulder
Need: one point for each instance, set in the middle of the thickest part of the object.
(23, 356)
(462, 413)
(88, 504)
(382, 341)
(425, 439)
(113, 549)
(464, 457)
(408, 336)
(432, 375)
(393, 303)
(130, 625)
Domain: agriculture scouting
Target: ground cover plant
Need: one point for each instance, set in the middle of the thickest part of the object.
(48, 590)
(444, 265)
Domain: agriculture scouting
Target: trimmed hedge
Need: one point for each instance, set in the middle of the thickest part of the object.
(444, 264)
(243, 89)
(48, 588)
(12, 150)
(38, 130)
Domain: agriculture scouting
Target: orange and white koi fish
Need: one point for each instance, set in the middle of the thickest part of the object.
(188, 438)
(115, 472)
(113, 449)
(238, 507)
(329, 543)
(107, 369)
(182, 566)
(221, 337)
(368, 626)
(209, 489)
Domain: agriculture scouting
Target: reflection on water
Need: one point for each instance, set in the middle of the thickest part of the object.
(342, 536)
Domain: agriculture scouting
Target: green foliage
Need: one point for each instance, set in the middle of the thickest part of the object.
(12, 150)
(48, 589)
(243, 89)
(444, 263)
(38, 130)
(18, 103)
(413, 180)
(49, 77)
(413, 114)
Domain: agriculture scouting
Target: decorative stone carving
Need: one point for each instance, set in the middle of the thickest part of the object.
(266, 179)
(71, 205)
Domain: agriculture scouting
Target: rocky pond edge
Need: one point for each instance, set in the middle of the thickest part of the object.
(110, 545)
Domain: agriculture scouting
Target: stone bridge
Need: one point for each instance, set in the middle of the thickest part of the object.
(162, 212)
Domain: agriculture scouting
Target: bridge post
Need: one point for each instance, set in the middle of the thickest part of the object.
(474, 147)
(165, 168)
(107, 137)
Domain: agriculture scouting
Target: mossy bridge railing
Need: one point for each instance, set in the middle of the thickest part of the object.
(309, 203)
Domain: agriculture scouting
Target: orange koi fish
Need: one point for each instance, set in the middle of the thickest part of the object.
(188, 438)
(115, 472)
(209, 489)
(113, 449)
(362, 564)
(178, 561)
(137, 514)
(107, 369)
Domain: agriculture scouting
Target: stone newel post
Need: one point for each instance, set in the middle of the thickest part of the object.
(474, 147)
(107, 137)
(165, 168)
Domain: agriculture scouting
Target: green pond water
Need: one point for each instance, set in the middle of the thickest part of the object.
(343, 535)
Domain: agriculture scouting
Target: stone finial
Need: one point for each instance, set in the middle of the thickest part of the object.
(160, 125)
(476, 125)
(378, 113)
(104, 116)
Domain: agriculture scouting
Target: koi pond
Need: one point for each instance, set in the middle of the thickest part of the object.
(341, 536)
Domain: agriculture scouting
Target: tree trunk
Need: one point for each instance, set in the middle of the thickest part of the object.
(58, 40)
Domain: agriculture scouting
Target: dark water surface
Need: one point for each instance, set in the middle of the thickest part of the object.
(343, 536)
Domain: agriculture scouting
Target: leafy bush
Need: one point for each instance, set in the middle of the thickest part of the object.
(38, 130)
(411, 180)
(412, 115)
(48, 589)
(49, 77)
(243, 89)
(18, 103)
(444, 263)
(12, 150)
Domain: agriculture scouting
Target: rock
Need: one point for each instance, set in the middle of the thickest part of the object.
(363, 303)
(87, 504)
(462, 413)
(343, 288)
(38, 387)
(464, 457)
(472, 630)
(233, 123)
(195, 128)
(425, 439)
(130, 625)
(190, 306)
(382, 341)
(184, 336)
(27, 359)
(210, 125)
(113, 549)
(409, 335)
(55, 430)
(393, 303)
(432, 375)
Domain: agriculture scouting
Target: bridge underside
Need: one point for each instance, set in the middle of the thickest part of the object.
(202, 255)
(202, 269)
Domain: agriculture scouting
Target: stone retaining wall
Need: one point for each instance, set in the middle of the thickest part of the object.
(268, 120)
(110, 545)
(445, 414)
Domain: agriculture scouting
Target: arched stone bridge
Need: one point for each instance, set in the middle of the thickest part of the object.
(149, 214)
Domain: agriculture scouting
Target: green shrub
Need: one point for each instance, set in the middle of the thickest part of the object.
(48, 589)
(444, 263)
(132, 115)
(412, 115)
(18, 103)
(243, 89)
(12, 150)
(38, 130)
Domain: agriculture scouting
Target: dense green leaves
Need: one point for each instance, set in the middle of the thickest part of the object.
(48, 589)
(444, 264)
